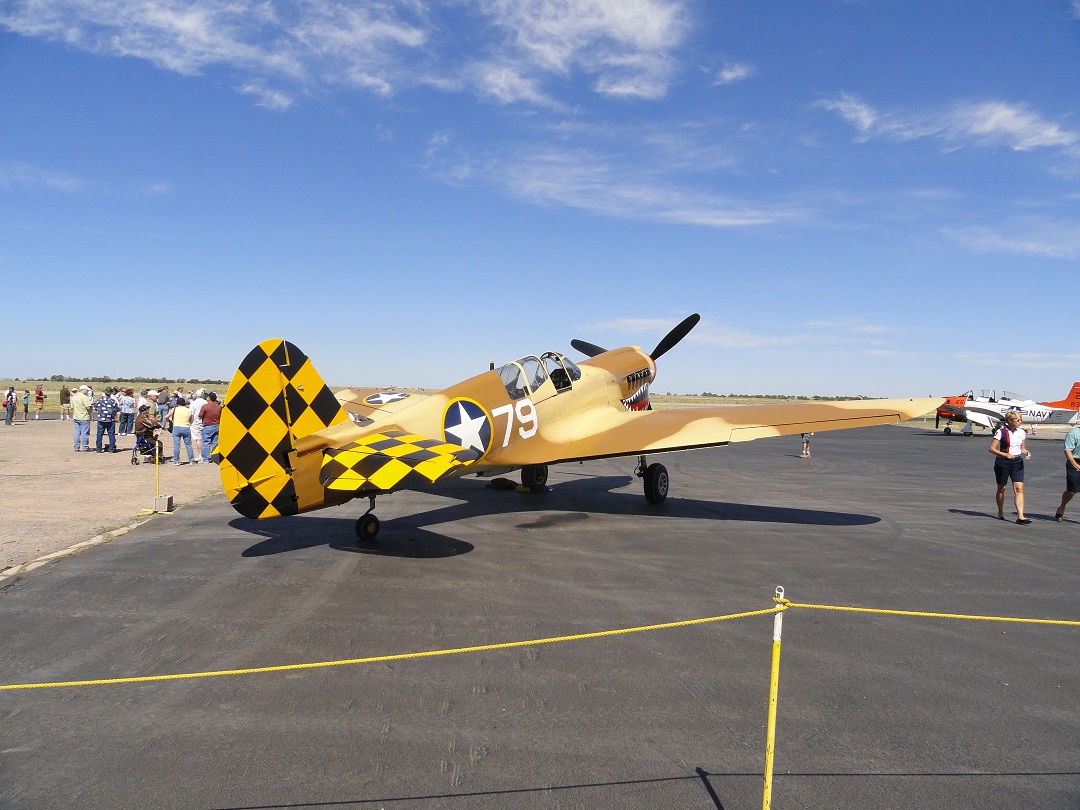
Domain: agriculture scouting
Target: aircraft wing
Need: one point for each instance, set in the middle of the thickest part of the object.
(986, 417)
(375, 403)
(390, 459)
(611, 431)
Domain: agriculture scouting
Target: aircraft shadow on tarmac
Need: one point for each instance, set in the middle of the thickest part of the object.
(564, 503)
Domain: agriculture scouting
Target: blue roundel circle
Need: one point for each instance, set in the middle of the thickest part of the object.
(467, 424)
(385, 398)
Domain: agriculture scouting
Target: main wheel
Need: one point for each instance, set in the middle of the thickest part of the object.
(534, 476)
(367, 528)
(656, 483)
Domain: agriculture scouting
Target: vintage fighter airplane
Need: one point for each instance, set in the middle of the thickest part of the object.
(288, 445)
(988, 409)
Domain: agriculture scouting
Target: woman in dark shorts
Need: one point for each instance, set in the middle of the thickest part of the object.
(1010, 450)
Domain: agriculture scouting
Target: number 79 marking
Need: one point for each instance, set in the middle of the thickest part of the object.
(526, 414)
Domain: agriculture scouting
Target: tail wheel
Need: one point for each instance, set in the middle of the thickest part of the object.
(534, 476)
(135, 460)
(656, 483)
(367, 528)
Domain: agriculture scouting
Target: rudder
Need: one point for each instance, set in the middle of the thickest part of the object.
(275, 398)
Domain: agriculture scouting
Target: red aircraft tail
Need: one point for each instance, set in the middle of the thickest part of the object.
(1071, 402)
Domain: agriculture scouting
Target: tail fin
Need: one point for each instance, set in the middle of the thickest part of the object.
(1072, 401)
(275, 398)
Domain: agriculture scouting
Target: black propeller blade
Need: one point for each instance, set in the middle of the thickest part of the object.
(588, 349)
(675, 335)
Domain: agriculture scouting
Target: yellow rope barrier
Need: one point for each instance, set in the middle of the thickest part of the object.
(398, 657)
(968, 617)
(782, 605)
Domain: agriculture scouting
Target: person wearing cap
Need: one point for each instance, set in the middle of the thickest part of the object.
(197, 424)
(146, 426)
(80, 415)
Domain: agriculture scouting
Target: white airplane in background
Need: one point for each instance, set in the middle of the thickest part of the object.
(988, 409)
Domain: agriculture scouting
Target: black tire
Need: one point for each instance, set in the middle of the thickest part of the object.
(367, 528)
(135, 460)
(534, 477)
(948, 430)
(656, 483)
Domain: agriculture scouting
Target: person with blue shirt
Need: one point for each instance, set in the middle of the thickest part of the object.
(1072, 470)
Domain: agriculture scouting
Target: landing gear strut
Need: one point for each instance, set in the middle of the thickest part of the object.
(367, 526)
(656, 480)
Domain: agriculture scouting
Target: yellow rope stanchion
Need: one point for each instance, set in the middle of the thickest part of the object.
(774, 688)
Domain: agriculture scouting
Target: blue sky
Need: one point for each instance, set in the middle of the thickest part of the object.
(878, 197)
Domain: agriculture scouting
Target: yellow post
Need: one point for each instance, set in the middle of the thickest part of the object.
(774, 686)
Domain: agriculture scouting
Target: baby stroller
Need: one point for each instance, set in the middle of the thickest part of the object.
(147, 444)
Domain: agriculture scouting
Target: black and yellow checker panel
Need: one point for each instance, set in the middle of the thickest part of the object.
(392, 459)
(275, 397)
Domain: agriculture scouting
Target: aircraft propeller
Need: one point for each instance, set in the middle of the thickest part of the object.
(663, 347)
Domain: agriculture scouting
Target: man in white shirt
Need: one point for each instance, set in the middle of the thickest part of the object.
(196, 423)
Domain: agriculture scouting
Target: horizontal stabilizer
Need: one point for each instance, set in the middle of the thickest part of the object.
(392, 459)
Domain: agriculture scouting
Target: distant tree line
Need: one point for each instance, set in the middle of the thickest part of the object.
(103, 379)
(815, 398)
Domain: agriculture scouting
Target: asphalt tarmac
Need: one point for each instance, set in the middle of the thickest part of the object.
(874, 711)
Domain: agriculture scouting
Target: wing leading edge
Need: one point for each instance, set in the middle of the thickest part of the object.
(609, 431)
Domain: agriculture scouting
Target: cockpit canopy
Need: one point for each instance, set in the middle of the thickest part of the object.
(525, 376)
(991, 395)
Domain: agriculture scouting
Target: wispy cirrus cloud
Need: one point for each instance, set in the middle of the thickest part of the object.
(1048, 239)
(1023, 360)
(24, 176)
(583, 179)
(849, 332)
(625, 47)
(986, 123)
(733, 73)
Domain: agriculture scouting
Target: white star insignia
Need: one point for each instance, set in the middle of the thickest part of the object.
(386, 398)
(467, 431)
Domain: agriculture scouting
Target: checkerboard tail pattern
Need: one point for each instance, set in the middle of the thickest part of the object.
(392, 459)
(275, 398)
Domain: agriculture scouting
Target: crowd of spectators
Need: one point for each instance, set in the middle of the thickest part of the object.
(192, 419)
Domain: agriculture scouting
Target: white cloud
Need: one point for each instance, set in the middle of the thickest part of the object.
(506, 84)
(583, 180)
(734, 72)
(1053, 240)
(727, 336)
(850, 324)
(623, 46)
(269, 98)
(20, 175)
(987, 123)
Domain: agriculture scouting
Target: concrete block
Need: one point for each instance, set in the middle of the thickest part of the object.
(163, 503)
